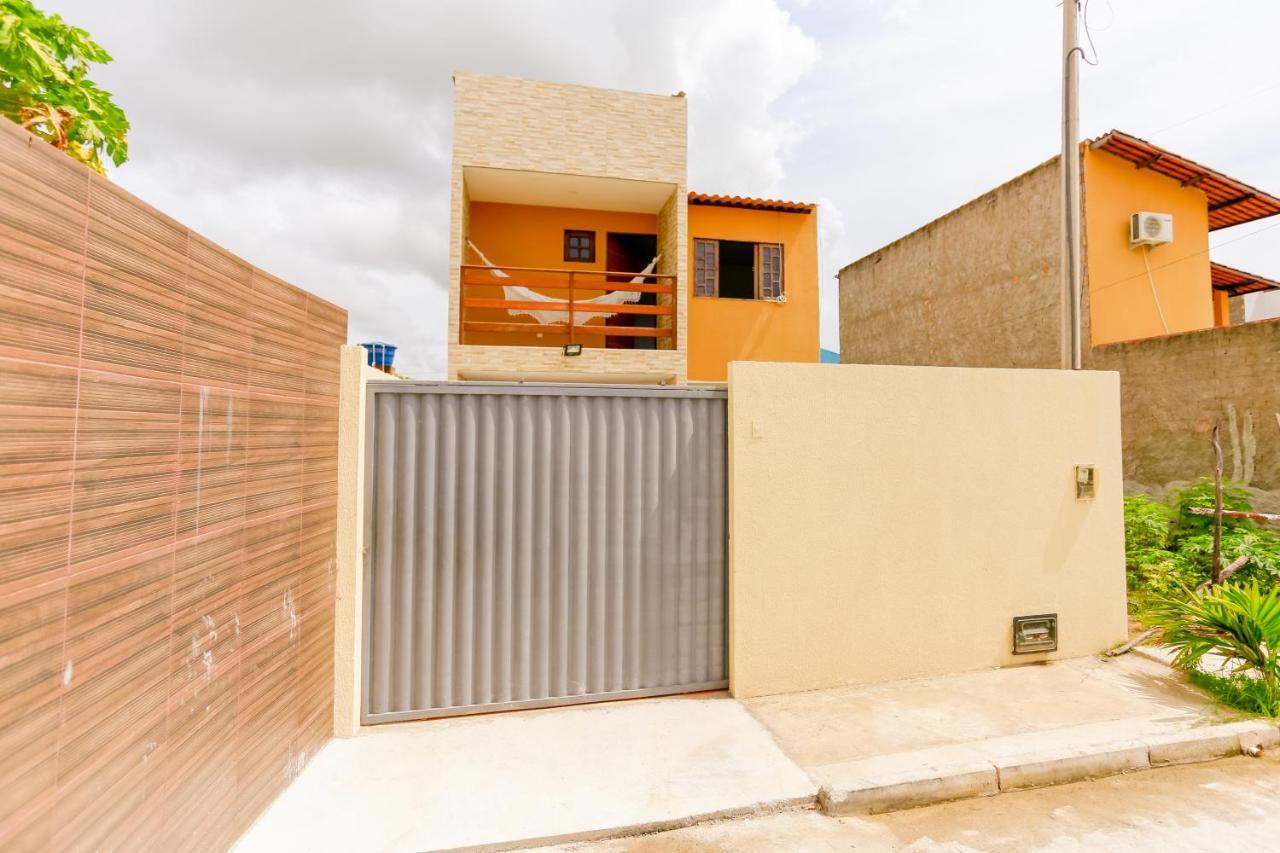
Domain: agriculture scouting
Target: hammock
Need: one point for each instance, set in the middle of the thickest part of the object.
(524, 294)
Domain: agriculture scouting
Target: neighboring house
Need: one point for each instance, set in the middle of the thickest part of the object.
(563, 197)
(981, 286)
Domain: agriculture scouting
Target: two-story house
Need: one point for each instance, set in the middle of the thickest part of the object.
(578, 253)
(982, 287)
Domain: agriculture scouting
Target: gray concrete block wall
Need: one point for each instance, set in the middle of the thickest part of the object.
(1174, 388)
(977, 287)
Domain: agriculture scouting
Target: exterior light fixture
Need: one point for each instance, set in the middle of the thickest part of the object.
(572, 349)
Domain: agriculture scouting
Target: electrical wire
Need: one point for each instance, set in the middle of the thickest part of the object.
(1146, 250)
(1185, 257)
(1218, 108)
(1084, 17)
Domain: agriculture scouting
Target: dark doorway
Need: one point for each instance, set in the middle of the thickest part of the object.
(631, 253)
(737, 270)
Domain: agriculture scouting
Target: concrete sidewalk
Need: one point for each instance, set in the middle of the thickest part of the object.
(533, 776)
(1223, 805)
(625, 768)
(908, 743)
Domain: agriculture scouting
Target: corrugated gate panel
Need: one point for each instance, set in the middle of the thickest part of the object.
(541, 545)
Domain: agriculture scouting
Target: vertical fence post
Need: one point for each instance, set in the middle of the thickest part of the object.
(570, 306)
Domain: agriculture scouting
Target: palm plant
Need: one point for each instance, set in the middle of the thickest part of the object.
(1239, 623)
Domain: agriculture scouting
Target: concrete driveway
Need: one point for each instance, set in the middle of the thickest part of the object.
(532, 777)
(623, 768)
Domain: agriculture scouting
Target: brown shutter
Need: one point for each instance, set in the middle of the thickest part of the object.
(769, 283)
(706, 267)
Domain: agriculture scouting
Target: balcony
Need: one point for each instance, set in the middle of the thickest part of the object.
(549, 307)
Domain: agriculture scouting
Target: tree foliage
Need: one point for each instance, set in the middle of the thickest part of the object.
(43, 87)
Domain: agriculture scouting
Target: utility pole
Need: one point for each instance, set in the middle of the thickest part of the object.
(1070, 188)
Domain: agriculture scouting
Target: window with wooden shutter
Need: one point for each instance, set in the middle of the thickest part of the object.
(706, 263)
(769, 267)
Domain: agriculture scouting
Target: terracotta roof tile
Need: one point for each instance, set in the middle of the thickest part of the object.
(751, 203)
(1236, 282)
(1231, 202)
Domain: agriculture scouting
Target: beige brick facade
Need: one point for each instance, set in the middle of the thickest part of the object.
(506, 123)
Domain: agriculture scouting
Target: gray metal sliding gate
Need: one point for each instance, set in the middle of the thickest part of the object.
(533, 545)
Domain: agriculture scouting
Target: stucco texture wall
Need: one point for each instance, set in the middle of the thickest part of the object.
(1122, 305)
(724, 330)
(978, 287)
(355, 376)
(889, 522)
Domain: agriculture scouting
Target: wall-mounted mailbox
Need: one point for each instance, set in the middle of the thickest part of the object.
(1035, 634)
(1086, 482)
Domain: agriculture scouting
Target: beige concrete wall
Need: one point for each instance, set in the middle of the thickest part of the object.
(508, 123)
(889, 522)
(349, 575)
(978, 287)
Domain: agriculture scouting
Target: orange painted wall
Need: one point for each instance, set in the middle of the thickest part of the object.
(1221, 309)
(1121, 304)
(725, 330)
(529, 236)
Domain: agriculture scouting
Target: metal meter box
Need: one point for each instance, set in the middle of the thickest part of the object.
(1035, 634)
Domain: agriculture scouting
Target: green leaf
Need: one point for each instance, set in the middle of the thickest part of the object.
(43, 85)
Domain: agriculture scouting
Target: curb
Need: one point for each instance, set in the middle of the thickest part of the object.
(891, 789)
(793, 804)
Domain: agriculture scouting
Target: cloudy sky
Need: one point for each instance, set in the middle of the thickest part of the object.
(312, 136)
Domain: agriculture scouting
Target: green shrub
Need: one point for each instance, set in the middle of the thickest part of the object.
(1167, 548)
(1148, 529)
(1148, 524)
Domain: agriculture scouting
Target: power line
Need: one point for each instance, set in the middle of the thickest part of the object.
(1218, 108)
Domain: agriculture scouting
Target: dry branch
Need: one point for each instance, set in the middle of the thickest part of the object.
(1235, 513)
(1236, 565)
(1216, 572)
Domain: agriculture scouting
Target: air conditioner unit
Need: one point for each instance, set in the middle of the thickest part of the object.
(1150, 229)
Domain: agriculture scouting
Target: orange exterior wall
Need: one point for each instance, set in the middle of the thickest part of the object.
(1221, 309)
(1121, 304)
(725, 330)
(529, 236)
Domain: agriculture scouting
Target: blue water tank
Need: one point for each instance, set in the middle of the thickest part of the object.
(381, 354)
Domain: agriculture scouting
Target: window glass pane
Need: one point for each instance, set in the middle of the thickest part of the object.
(579, 245)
